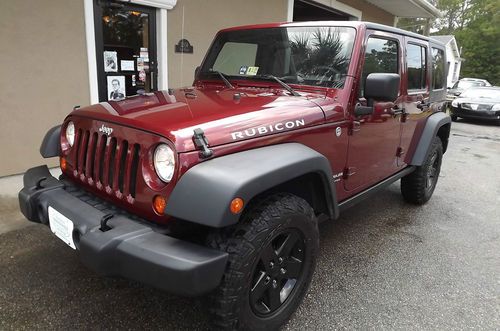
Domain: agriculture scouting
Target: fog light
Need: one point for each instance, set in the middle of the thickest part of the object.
(62, 163)
(159, 204)
(236, 205)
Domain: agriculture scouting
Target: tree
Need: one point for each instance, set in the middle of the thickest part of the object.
(480, 41)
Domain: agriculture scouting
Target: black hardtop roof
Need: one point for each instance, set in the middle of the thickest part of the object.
(355, 24)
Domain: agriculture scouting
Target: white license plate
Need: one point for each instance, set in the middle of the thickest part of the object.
(61, 226)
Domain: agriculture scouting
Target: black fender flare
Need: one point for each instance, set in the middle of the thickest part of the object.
(432, 126)
(204, 193)
(51, 145)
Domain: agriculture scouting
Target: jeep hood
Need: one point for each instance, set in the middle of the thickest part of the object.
(225, 115)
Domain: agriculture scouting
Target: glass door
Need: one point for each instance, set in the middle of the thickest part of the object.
(126, 49)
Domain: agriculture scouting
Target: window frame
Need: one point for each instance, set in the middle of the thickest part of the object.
(443, 60)
(387, 37)
(425, 63)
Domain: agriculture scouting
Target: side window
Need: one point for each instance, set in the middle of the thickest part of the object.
(438, 71)
(234, 55)
(416, 61)
(381, 56)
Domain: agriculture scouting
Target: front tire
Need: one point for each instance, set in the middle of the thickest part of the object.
(454, 118)
(417, 187)
(272, 256)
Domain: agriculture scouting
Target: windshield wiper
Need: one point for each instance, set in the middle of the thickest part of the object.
(282, 83)
(224, 79)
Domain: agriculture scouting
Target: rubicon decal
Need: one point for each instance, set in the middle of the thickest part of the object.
(261, 130)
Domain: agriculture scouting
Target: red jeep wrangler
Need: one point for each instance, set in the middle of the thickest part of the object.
(218, 188)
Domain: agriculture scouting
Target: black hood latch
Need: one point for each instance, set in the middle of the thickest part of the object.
(201, 143)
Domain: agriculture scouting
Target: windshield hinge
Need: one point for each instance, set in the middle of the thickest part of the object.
(201, 143)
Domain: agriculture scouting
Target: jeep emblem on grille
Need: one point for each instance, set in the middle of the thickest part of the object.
(106, 130)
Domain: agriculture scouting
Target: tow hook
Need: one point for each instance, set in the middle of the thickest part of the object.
(104, 222)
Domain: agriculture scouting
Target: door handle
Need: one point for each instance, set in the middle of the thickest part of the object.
(397, 111)
(423, 105)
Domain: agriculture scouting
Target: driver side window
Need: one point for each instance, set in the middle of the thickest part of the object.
(381, 56)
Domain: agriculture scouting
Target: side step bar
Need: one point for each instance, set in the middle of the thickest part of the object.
(374, 189)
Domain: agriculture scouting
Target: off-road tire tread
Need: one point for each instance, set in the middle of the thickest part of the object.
(413, 185)
(240, 241)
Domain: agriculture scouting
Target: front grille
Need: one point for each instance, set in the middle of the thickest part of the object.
(109, 163)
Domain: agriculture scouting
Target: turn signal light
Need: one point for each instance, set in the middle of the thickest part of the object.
(236, 205)
(159, 204)
(62, 163)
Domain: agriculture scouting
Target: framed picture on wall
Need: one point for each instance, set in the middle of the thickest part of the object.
(116, 87)
(110, 61)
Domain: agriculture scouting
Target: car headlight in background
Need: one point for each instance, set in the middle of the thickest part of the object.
(70, 133)
(454, 103)
(496, 107)
(164, 162)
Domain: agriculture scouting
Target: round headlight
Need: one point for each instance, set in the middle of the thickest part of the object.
(164, 162)
(454, 103)
(70, 133)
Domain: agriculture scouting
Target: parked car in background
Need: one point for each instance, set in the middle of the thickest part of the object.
(462, 85)
(477, 102)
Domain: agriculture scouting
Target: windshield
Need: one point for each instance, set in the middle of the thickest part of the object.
(317, 56)
(464, 84)
(481, 93)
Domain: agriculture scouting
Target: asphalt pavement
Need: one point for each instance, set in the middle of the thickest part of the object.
(383, 265)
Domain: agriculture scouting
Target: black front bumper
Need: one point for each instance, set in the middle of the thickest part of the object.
(131, 249)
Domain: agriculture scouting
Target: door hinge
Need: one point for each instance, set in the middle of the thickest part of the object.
(349, 171)
(400, 152)
(355, 126)
(201, 143)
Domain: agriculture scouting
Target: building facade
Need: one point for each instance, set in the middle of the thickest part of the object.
(60, 54)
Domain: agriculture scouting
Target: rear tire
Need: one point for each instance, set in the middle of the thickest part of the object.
(272, 256)
(417, 187)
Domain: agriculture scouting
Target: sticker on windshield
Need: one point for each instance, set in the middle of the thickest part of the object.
(252, 71)
(243, 70)
(249, 71)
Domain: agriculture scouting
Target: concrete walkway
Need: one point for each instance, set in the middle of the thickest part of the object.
(10, 216)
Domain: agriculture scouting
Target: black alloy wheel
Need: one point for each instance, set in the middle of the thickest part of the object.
(432, 171)
(277, 272)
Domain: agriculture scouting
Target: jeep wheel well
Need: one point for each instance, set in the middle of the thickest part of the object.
(444, 134)
(309, 187)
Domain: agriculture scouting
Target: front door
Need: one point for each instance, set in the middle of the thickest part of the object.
(374, 139)
(125, 48)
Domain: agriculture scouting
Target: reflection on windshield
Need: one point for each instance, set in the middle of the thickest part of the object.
(317, 56)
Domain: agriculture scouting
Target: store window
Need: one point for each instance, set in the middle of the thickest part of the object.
(126, 50)
(416, 61)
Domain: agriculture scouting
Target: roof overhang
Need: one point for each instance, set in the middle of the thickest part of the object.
(408, 8)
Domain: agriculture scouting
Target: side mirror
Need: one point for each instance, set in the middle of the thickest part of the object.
(382, 87)
(196, 72)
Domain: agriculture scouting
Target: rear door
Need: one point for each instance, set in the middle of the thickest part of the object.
(416, 82)
(374, 139)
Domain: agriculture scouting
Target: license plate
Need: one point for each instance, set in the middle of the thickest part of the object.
(62, 227)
